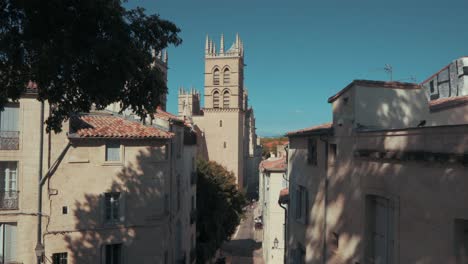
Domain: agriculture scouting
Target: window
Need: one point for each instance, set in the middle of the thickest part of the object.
(379, 230)
(216, 99)
(225, 144)
(113, 151)
(9, 135)
(112, 203)
(59, 258)
(461, 240)
(465, 70)
(179, 143)
(113, 254)
(312, 151)
(65, 210)
(9, 118)
(226, 97)
(431, 86)
(301, 204)
(220, 123)
(216, 77)
(8, 185)
(226, 77)
(8, 243)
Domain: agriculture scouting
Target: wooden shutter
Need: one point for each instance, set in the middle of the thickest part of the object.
(9, 118)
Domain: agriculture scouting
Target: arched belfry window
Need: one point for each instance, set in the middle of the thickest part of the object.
(216, 77)
(226, 98)
(226, 76)
(216, 99)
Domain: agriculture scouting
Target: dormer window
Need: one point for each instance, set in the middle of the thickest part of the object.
(216, 77)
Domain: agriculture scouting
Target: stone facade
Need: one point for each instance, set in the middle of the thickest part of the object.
(382, 183)
(113, 187)
(226, 124)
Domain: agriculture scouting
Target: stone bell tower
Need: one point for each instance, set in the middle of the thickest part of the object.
(224, 74)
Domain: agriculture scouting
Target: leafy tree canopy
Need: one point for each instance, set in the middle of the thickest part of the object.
(82, 53)
(219, 206)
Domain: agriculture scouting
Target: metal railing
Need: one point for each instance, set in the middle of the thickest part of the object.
(9, 200)
(9, 140)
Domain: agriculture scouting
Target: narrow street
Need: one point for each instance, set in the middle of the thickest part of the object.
(246, 244)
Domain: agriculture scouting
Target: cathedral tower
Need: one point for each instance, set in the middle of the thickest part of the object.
(224, 75)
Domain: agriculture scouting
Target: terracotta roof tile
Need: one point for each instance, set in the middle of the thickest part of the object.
(448, 102)
(315, 129)
(167, 116)
(109, 126)
(378, 84)
(273, 165)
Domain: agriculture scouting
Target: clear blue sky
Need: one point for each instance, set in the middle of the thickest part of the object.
(298, 53)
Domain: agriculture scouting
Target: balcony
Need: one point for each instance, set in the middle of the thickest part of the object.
(193, 216)
(193, 178)
(9, 140)
(9, 200)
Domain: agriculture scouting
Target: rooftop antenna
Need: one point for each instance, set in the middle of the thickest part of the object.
(389, 69)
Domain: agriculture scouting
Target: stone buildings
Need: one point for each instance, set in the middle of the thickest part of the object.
(113, 190)
(272, 181)
(226, 124)
(384, 182)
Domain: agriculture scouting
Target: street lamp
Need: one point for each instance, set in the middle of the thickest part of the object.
(275, 243)
(39, 252)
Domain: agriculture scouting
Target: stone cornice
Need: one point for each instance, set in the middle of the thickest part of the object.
(206, 110)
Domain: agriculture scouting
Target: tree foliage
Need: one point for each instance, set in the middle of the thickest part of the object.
(219, 205)
(82, 53)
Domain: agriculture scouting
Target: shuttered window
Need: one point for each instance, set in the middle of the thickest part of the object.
(379, 230)
(312, 151)
(113, 151)
(301, 204)
(8, 243)
(9, 118)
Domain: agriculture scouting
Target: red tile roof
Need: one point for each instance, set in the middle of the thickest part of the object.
(448, 102)
(377, 84)
(273, 165)
(167, 116)
(109, 126)
(323, 128)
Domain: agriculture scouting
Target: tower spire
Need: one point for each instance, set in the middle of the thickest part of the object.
(207, 44)
(221, 46)
(237, 41)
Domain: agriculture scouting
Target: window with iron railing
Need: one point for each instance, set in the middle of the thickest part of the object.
(8, 185)
(9, 129)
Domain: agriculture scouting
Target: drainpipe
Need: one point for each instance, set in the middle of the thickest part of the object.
(39, 250)
(324, 246)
